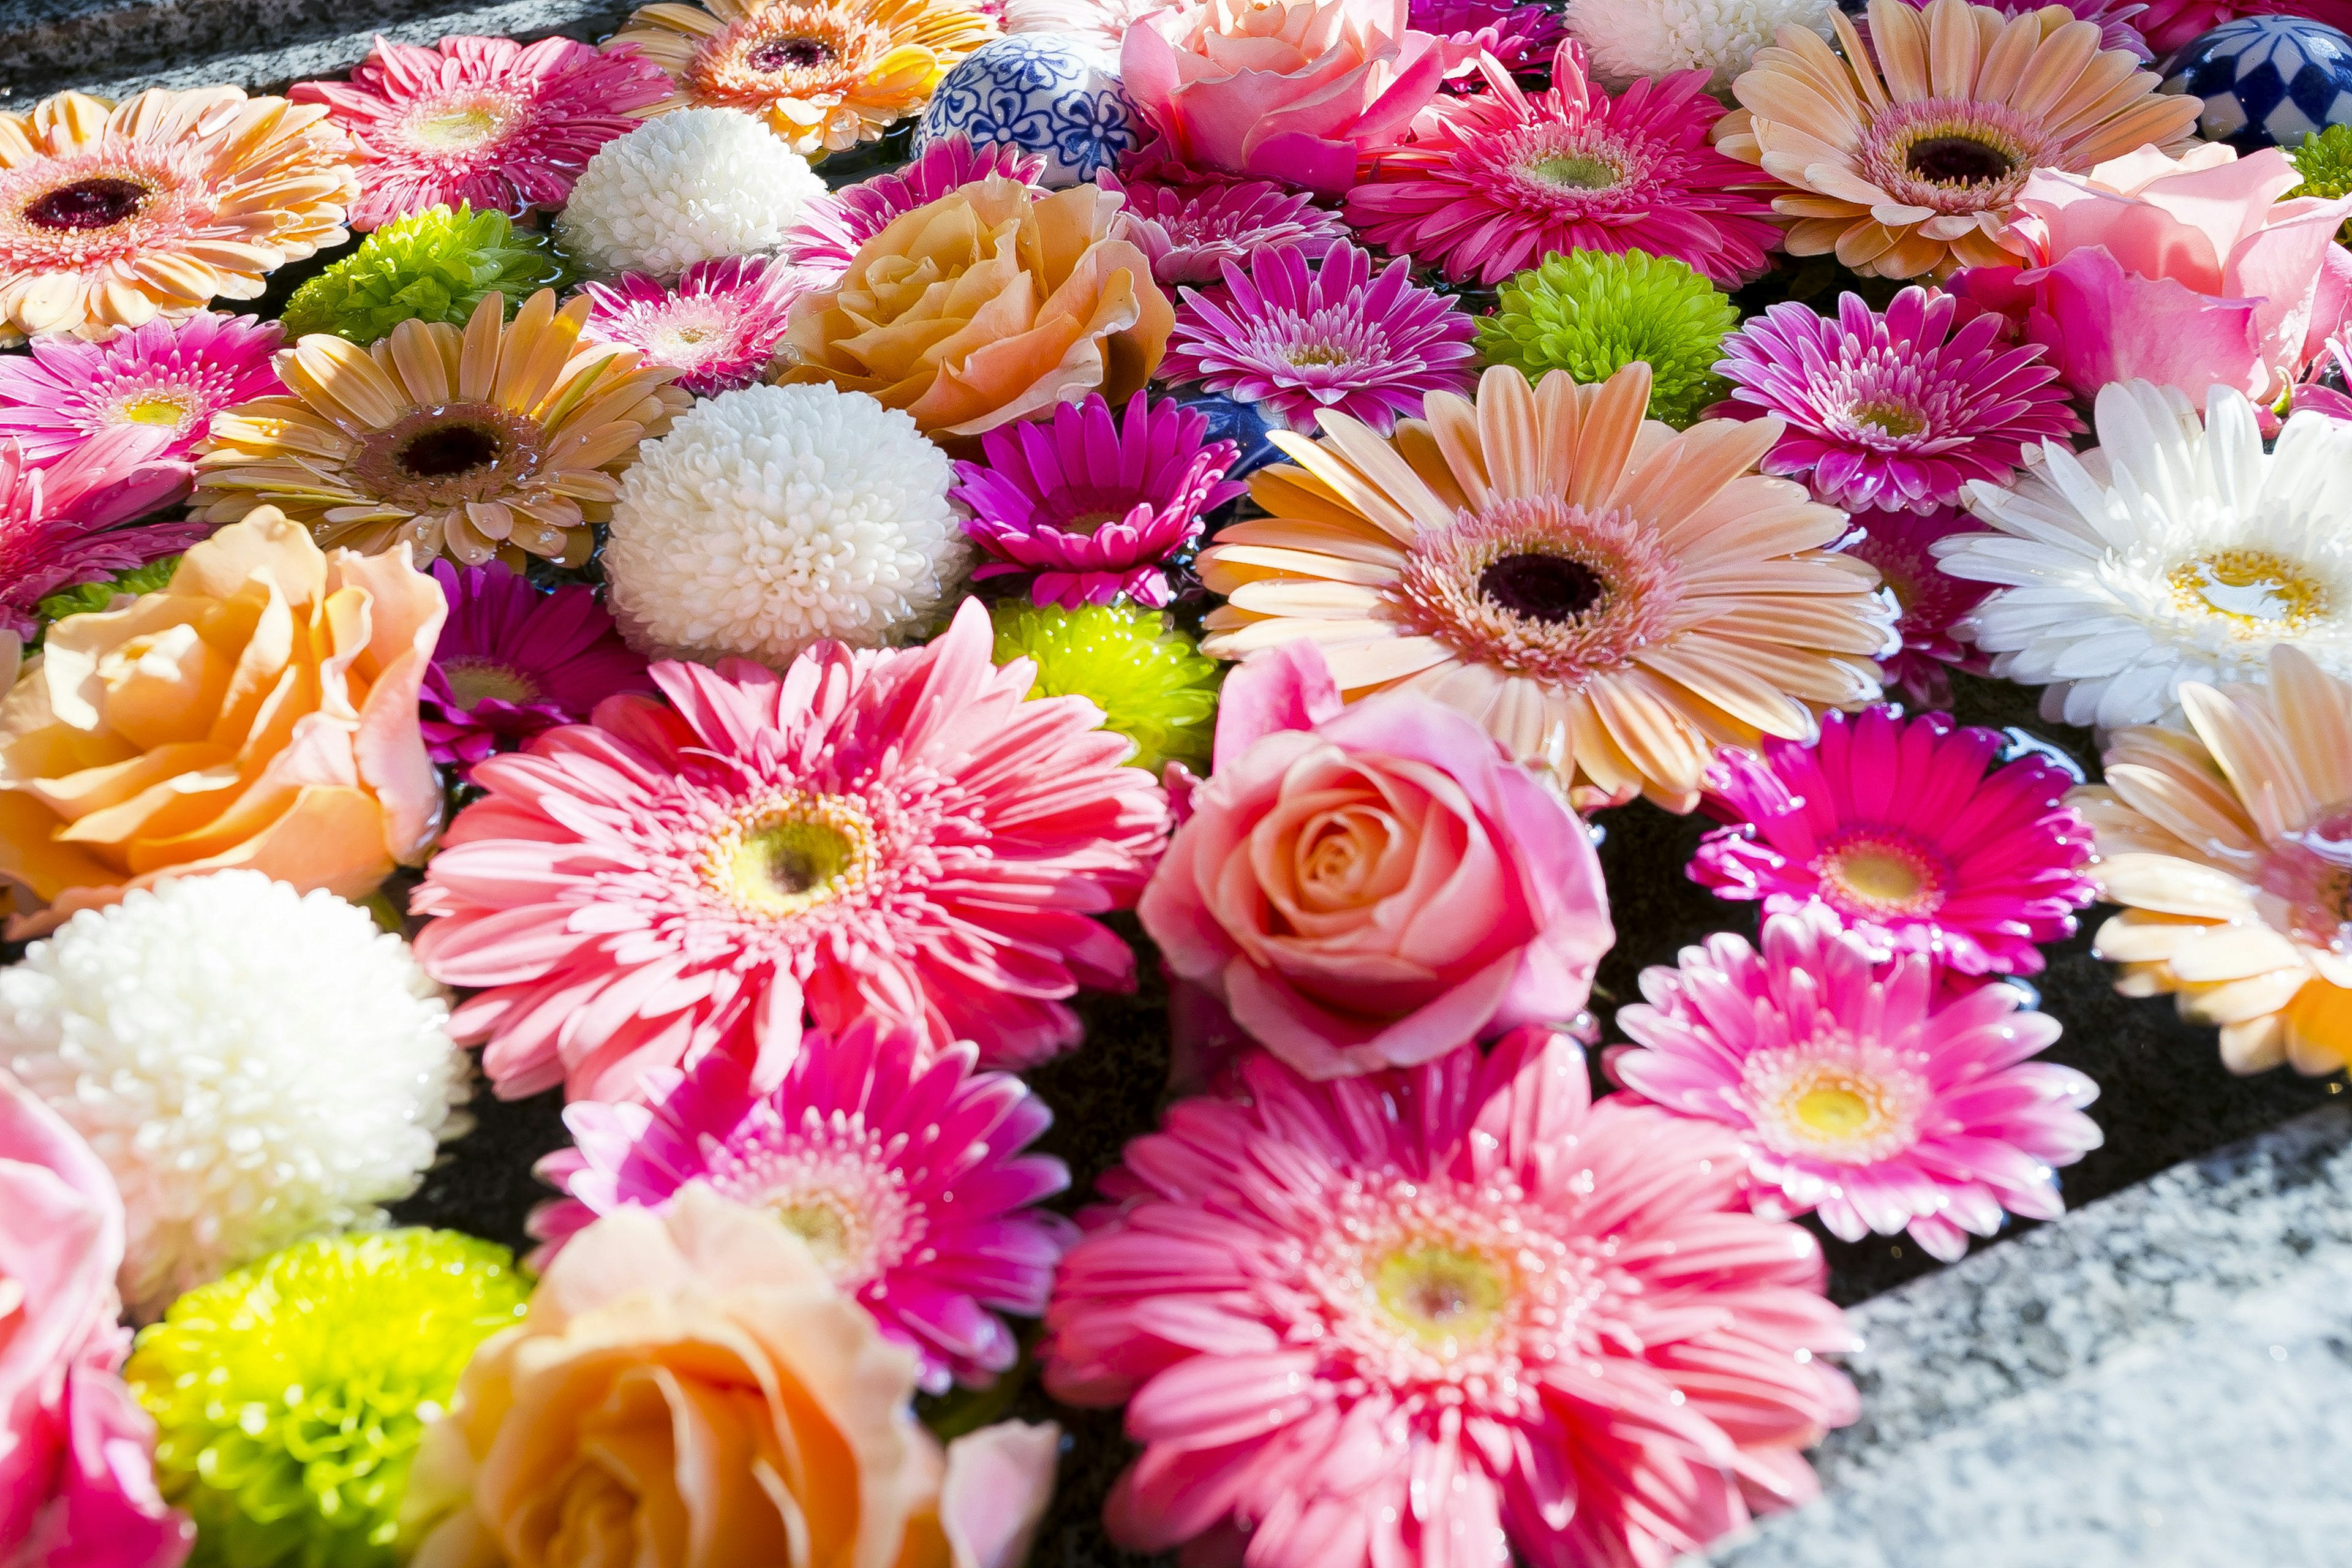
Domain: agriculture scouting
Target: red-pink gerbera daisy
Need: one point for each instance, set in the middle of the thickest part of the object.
(166, 376)
(1901, 545)
(1304, 330)
(1893, 411)
(513, 662)
(895, 832)
(62, 523)
(1864, 1091)
(830, 229)
(1897, 828)
(718, 326)
(1505, 180)
(1190, 231)
(502, 125)
(902, 1168)
(1412, 1317)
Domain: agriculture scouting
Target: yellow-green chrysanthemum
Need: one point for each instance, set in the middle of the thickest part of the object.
(1592, 313)
(1150, 681)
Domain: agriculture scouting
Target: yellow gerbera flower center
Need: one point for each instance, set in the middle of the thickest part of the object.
(1834, 1099)
(789, 853)
(1442, 1294)
(153, 408)
(2256, 593)
(1877, 874)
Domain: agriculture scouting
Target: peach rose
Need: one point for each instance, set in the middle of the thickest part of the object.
(260, 712)
(994, 303)
(690, 1387)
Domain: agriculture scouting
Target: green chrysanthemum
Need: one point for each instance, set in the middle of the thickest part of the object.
(1149, 677)
(2324, 162)
(1591, 314)
(434, 265)
(89, 598)
(290, 1396)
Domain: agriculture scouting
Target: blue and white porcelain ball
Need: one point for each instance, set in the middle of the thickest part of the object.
(1043, 93)
(2267, 81)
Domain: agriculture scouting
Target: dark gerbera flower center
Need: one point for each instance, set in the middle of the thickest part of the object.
(86, 204)
(1958, 160)
(794, 54)
(1548, 588)
(444, 452)
(449, 455)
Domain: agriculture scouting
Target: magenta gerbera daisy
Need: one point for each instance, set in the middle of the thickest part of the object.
(1419, 1316)
(1095, 509)
(902, 1168)
(720, 326)
(830, 229)
(1893, 411)
(1910, 832)
(1864, 1091)
(1503, 180)
(172, 377)
(500, 125)
(897, 832)
(1190, 231)
(1520, 37)
(1305, 330)
(513, 661)
(1901, 546)
(62, 523)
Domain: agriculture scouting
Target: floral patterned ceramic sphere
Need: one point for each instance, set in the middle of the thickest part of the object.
(1042, 93)
(2267, 81)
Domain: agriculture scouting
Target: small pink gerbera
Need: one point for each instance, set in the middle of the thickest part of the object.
(830, 229)
(1893, 411)
(1895, 827)
(1901, 546)
(502, 125)
(894, 832)
(163, 375)
(1520, 36)
(1305, 330)
(1095, 509)
(720, 326)
(1503, 180)
(1191, 231)
(902, 1168)
(1412, 1317)
(1862, 1091)
(513, 661)
(62, 523)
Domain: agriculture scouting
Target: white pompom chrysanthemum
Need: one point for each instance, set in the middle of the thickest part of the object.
(692, 185)
(772, 517)
(1631, 39)
(255, 1065)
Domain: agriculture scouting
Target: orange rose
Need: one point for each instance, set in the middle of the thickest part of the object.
(994, 303)
(259, 712)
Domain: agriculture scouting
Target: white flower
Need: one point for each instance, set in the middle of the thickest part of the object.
(1631, 39)
(2174, 552)
(693, 185)
(774, 516)
(1098, 24)
(255, 1065)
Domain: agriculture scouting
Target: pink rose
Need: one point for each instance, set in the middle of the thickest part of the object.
(1294, 90)
(76, 1459)
(1368, 887)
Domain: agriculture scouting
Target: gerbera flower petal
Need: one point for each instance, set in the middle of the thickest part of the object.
(718, 326)
(62, 523)
(163, 374)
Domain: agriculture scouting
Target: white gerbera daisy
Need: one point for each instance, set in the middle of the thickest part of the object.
(692, 185)
(2173, 552)
(772, 517)
(1633, 40)
(255, 1065)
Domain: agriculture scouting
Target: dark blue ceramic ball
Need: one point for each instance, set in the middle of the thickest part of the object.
(2267, 81)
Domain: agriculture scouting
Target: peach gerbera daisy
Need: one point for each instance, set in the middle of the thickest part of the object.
(1906, 162)
(113, 216)
(504, 439)
(824, 74)
(1608, 596)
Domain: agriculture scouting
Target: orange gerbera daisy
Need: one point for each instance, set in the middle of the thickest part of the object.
(1608, 596)
(824, 74)
(110, 216)
(1907, 163)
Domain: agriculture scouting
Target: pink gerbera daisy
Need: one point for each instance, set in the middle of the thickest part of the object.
(62, 524)
(720, 326)
(901, 1168)
(1505, 180)
(894, 832)
(830, 229)
(1896, 828)
(1304, 331)
(501, 125)
(1191, 231)
(1901, 546)
(1520, 37)
(1095, 509)
(163, 375)
(1893, 411)
(1411, 1317)
(1862, 1091)
(513, 661)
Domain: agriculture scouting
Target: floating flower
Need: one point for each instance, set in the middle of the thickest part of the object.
(438, 264)
(823, 75)
(256, 1065)
(1894, 411)
(776, 517)
(292, 1394)
(503, 439)
(1901, 545)
(898, 833)
(1098, 24)
(1503, 180)
(1520, 36)
(1305, 332)
(111, 216)
(172, 375)
(69, 522)
(1147, 678)
(1638, 40)
(832, 228)
(1465, 1269)
(1562, 572)
(1191, 231)
(513, 661)
(1093, 509)
(2174, 552)
(1905, 160)
(1862, 1092)
(1592, 313)
(718, 328)
(483, 122)
(694, 185)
